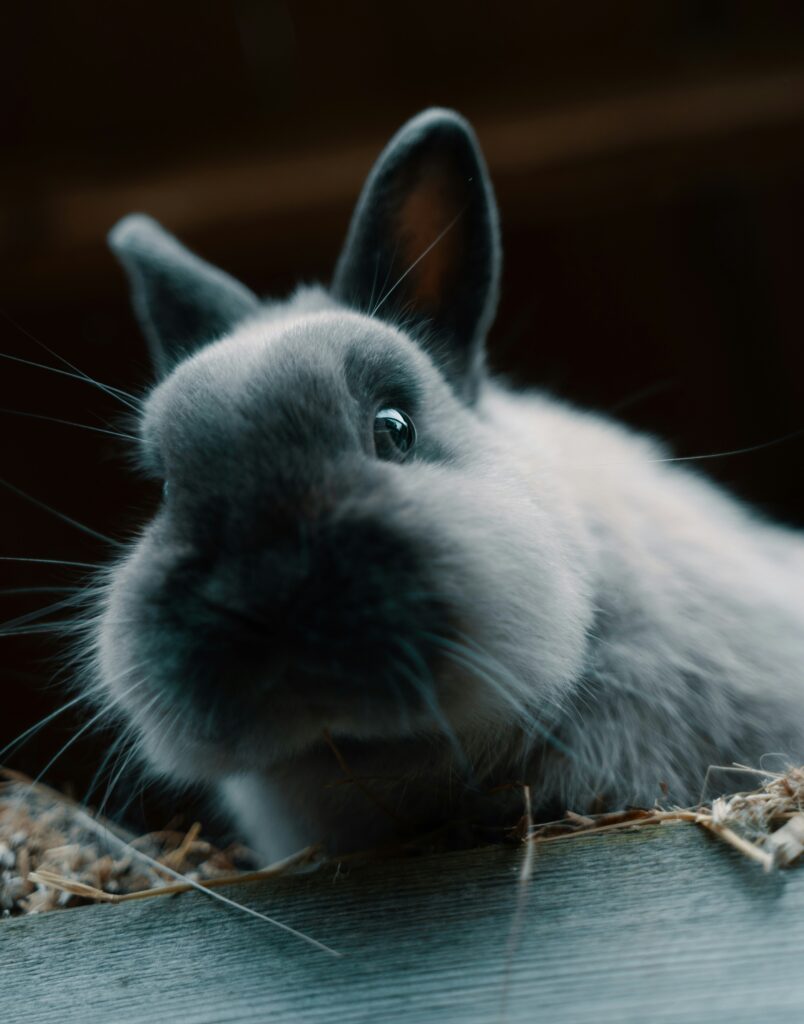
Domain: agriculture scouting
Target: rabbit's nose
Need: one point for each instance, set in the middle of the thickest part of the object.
(340, 591)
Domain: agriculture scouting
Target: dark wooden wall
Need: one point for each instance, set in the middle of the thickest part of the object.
(650, 169)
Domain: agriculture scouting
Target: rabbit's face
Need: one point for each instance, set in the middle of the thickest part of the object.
(286, 586)
(348, 543)
(326, 545)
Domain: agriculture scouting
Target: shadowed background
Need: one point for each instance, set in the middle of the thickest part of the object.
(649, 165)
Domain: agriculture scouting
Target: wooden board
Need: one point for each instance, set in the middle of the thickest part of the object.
(658, 925)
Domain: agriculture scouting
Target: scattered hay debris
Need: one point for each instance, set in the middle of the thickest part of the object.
(53, 855)
(765, 824)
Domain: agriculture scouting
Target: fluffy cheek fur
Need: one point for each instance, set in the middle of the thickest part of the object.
(514, 570)
(515, 585)
(128, 672)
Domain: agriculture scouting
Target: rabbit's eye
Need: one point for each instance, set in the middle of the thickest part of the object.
(394, 433)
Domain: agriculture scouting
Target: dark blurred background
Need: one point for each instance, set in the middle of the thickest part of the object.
(649, 163)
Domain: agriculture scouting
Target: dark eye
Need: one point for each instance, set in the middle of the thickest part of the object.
(394, 433)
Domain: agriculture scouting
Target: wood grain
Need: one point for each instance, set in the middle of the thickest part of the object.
(661, 925)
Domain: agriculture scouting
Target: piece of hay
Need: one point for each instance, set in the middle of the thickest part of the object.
(765, 824)
(53, 855)
(786, 844)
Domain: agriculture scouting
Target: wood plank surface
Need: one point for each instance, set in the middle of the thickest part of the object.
(663, 924)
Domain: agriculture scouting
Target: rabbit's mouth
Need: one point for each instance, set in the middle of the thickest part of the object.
(265, 731)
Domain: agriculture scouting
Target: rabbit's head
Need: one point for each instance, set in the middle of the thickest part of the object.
(349, 543)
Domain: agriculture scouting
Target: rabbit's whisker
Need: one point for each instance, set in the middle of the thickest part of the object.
(428, 696)
(32, 730)
(419, 676)
(735, 451)
(22, 620)
(126, 757)
(114, 748)
(104, 711)
(60, 626)
(50, 561)
(417, 261)
(762, 446)
(16, 591)
(113, 392)
(470, 660)
(59, 515)
(69, 423)
(72, 376)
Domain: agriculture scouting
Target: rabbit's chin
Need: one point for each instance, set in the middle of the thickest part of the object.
(187, 754)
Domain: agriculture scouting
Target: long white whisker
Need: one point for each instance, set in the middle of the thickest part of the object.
(481, 655)
(59, 515)
(157, 865)
(32, 730)
(74, 599)
(110, 390)
(700, 458)
(465, 657)
(385, 280)
(127, 758)
(68, 423)
(43, 628)
(49, 561)
(16, 591)
(84, 728)
(421, 679)
(215, 894)
(417, 261)
(428, 696)
(734, 451)
(88, 725)
(73, 376)
(114, 748)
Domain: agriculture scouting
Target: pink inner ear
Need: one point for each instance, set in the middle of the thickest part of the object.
(423, 215)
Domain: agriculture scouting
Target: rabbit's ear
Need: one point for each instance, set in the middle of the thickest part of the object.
(423, 245)
(180, 301)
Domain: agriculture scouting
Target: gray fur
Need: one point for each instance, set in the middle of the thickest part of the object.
(533, 595)
(376, 274)
(180, 301)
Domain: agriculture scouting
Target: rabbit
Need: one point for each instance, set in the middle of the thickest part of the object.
(383, 589)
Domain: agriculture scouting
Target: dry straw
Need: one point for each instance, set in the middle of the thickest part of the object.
(52, 854)
(51, 849)
(765, 824)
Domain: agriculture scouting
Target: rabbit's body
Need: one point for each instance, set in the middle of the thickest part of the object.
(356, 634)
(693, 655)
(696, 653)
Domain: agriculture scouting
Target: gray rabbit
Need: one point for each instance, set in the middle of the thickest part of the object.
(374, 563)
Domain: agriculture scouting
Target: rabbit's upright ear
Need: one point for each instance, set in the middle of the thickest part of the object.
(423, 245)
(180, 301)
